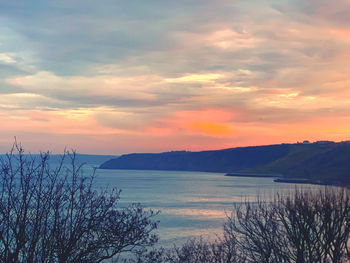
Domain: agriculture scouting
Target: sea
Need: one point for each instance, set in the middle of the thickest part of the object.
(190, 204)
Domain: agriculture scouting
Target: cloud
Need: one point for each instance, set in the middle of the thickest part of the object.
(208, 128)
(207, 74)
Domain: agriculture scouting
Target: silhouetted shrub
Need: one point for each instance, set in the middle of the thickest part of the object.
(304, 226)
(198, 250)
(55, 215)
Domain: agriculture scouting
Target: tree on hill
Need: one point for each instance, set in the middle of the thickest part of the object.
(52, 215)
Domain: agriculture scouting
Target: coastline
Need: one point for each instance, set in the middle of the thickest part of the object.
(299, 181)
(253, 175)
(278, 178)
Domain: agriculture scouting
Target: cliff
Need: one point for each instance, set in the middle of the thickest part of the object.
(327, 162)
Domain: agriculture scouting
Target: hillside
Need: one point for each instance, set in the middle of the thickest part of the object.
(228, 160)
(321, 161)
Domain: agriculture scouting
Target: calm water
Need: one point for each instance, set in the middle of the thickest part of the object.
(191, 203)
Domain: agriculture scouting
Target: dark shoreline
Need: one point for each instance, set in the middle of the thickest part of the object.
(278, 178)
(299, 181)
(253, 175)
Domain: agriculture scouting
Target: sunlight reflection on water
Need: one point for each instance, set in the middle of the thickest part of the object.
(206, 213)
(192, 204)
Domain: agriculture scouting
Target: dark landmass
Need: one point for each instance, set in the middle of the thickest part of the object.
(297, 181)
(226, 161)
(321, 162)
(253, 175)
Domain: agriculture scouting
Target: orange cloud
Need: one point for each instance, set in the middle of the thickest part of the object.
(208, 128)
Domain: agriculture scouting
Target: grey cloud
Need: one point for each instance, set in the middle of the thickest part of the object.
(131, 118)
(67, 36)
(10, 70)
(332, 12)
(76, 37)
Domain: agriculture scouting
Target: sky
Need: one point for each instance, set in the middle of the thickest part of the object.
(113, 76)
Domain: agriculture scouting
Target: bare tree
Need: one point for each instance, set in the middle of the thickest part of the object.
(55, 215)
(302, 227)
(223, 250)
(254, 228)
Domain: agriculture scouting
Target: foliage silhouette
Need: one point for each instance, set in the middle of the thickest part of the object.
(304, 226)
(55, 215)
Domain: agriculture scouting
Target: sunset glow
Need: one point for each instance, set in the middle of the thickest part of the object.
(123, 76)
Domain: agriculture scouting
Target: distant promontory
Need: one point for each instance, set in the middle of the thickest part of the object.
(325, 162)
